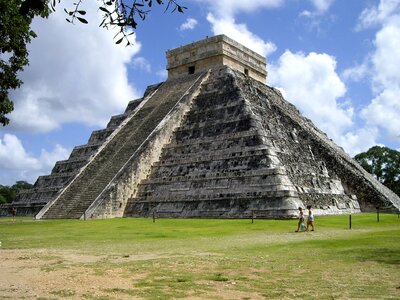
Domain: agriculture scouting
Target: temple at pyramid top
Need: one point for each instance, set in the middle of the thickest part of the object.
(214, 52)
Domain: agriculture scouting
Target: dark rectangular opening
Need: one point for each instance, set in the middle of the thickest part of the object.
(246, 72)
(191, 69)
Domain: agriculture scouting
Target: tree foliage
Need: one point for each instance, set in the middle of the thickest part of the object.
(121, 14)
(15, 32)
(384, 164)
(9, 193)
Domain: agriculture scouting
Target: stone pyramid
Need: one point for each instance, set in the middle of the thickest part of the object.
(212, 141)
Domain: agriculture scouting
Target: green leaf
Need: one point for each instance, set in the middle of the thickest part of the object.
(104, 9)
(119, 41)
(33, 34)
(84, 21)
(82, 12)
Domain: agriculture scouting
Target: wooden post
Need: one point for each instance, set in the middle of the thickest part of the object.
(252, 216)
(154, 216)
(349, 221)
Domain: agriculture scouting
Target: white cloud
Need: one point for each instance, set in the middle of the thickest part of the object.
(17, 164)
(190, 24)
(376, 15)
(321, 7)
(142, 64)
(359, 140)
(386, 58)
(76, 74)
(384, 109)
(240, 33)
(356, 73)
(312, 84)
(306, 13)
(222, 18)
(384, 112)
(162, 74)
(228, 8)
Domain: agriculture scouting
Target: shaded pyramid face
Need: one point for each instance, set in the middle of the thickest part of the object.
(235, 155)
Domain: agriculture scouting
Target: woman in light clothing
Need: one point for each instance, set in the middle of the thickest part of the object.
(301, 220)
(310, 219)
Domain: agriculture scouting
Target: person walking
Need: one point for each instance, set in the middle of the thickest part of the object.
(300, 224)
(310, 218)
(14, 213)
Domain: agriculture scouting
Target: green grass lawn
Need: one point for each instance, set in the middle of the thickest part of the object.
(226, 259)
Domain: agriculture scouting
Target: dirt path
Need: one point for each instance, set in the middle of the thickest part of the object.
(41, 274)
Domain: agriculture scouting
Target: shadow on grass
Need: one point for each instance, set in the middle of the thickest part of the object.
(380, 255)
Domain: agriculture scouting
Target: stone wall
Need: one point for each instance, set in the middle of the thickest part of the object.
(215, 52)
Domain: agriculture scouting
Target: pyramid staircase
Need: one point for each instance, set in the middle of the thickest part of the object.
(48, 187)
(81, 192)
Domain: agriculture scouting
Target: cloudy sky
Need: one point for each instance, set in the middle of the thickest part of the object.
(336, 60)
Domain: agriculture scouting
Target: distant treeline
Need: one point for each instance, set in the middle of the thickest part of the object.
(8, 193)
(384, 164)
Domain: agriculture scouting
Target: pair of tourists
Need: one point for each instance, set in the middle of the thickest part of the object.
(310, 220)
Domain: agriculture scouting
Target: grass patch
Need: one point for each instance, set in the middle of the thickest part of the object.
(218, 277)
(63, 293)
(235, 259)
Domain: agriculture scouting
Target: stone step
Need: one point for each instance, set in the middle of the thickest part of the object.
(218, 155)
(226, 174)
(99, 136)
(132, 105)
(213, 114)
(252, 133)
(262, 195)
(211, 130)
(84, 151)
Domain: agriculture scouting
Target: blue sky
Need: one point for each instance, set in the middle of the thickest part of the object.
(336, 60)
